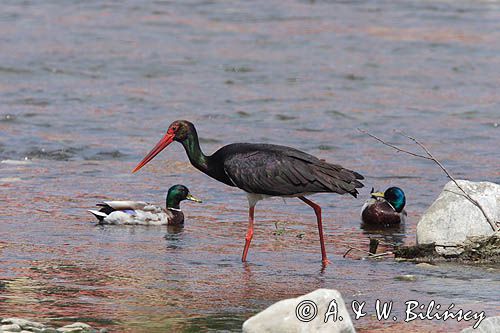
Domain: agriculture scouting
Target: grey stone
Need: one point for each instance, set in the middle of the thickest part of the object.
(23, 323)
(78, 324)
(426, 265)
(70, 330)
(48, 330)
(488, 325)
(32, 329)
(452, 217)
(76, 328)
(282, 316)
(11, 328)
(407, 277)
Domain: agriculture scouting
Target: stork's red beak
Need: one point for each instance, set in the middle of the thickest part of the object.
(162, 144)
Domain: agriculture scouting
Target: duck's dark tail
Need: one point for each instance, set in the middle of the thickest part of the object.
(100, 215)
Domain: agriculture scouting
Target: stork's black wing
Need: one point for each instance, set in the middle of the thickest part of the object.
(280, 170)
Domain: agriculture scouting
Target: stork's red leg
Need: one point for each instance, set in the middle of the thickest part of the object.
(248, 237)
(317, 210)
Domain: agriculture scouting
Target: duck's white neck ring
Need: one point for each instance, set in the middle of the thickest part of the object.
(391, 206)
(176, 209)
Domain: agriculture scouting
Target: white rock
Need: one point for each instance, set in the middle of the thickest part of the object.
(23, 322)
(34, 329)
(406, 277)
(75, 328)
(16, 162)
(10, 328)
(452, 217)
(48, 330)
(426, 265)
(282, 317)
(70, 330)
(79, 325)
(488, 325)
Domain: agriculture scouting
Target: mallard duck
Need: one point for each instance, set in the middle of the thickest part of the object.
(385, 208)
(143, 213)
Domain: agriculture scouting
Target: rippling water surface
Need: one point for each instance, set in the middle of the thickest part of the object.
(88, 87)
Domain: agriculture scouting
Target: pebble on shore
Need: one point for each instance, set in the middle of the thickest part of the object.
(20, 325)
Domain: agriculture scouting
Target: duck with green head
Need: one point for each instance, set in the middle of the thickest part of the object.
(143, 213)
(385, 208)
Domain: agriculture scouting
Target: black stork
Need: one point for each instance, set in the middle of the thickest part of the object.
(263, 170)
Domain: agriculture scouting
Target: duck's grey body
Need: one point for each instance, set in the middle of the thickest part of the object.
(136, 213)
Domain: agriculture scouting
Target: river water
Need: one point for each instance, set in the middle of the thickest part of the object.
(88, 87)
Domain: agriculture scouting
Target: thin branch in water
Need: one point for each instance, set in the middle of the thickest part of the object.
(347, 252)
(435, 160)
(388, 253)
(370, 255)
(373, 245)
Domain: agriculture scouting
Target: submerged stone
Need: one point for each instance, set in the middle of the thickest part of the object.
(76, 328)
(10, 328)
(407, 277)
(23, 323)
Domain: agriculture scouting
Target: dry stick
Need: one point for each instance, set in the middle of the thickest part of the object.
(370, 255)
(347, 252)
(435, 160)
(381, 254)
(393, 146)
(373, 245)
(357, 249)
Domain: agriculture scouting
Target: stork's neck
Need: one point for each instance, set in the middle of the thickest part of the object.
(211, 165)
(196, 157)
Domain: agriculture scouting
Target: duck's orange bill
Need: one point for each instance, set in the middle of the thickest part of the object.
(162, 144)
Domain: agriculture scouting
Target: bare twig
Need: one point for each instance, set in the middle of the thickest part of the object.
(370, 255)
(347, 252)
(492, 224)
(393, 146)
(435, 160)
(373, 245)
(355, 248)
(388, 253)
